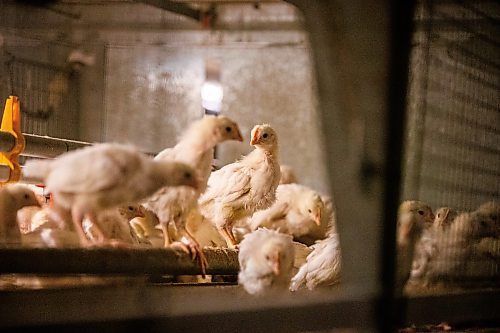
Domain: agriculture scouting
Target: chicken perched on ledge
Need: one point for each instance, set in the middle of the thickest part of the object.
(266, 261)
(89, 180)
(412, 217)
(173, 206)
(241, 188)
(13, 198)
(298, 211)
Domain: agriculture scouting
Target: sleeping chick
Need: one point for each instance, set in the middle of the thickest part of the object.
(322, 266)
(297, 211)
(266, 261)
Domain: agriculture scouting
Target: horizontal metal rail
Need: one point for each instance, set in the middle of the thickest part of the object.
(114, 261)
(196, 308)
(41, 146)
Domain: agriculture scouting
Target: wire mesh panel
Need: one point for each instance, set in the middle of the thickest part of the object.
(49, 103)
(453, 135)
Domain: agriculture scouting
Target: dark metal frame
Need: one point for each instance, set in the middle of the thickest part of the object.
(360, 51)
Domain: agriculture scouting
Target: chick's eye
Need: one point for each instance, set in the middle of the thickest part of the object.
(26, 196)
(421, 212)
(265, 135)
(310, 211)
(267, 257)
(130, 208)
(187, 175)
(228, 129)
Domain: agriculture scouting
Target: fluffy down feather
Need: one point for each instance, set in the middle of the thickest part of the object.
(266, 261)
(88, 180)
(241, 188)
(322, 266)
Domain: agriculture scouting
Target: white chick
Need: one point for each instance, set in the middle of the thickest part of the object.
(173, 206)
(241, 188)
(287, 175)
(462, 248)
(297, 211)
(146, 229)
(322, 266)
(444, 217)
(92, 179)
(412, 217)
(427, 246)
(266, 261)
(13, 197)
(115, 226)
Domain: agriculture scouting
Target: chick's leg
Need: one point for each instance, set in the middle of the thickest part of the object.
(188, 244)
(227, 233)
(77, 218)
(166, 235)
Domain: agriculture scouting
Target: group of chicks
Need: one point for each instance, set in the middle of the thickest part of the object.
(446, 246)
(113, 195)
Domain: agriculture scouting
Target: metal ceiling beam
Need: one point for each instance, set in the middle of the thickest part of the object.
(175, 7)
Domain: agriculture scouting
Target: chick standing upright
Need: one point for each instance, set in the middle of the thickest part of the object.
(89, 180)
(412, 217)
(241, 188)
(13, 198)
(266, 261)
(173, 206)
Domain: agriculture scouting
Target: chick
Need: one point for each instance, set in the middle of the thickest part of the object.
(147, 229)
(241, 188)
(115, 226)
(13, 198)
(92, 179)
(467, 248)
(297, 211)
(322, 266)
(173, 206)
(444, 217)
(266, 261)
(412, 218)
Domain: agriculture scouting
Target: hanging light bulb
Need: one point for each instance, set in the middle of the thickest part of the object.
(211, 96)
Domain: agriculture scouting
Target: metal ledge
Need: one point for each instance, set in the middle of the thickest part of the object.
(202, 308)
(114, 261)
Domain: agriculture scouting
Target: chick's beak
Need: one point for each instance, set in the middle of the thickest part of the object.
(255, 137)
(141, 212)
(238, 136)
(317, 218)
(276, 264)
(430, 219)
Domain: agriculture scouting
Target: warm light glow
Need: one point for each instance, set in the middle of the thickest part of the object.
(211, 96)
